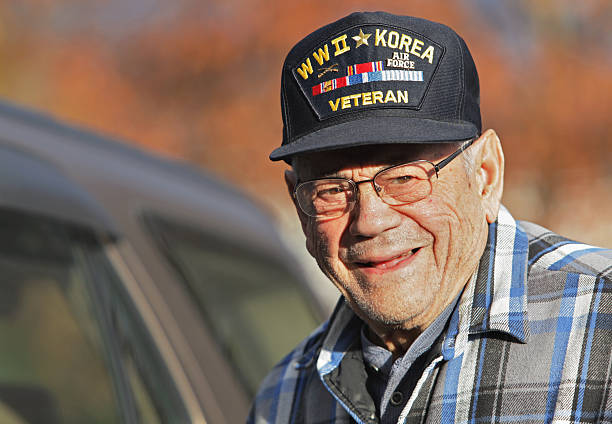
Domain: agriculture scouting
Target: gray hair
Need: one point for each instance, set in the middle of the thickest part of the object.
(469, 160)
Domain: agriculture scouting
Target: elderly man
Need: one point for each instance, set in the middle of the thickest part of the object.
(451, 311)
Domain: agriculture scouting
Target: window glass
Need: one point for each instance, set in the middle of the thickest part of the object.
(53, 363)
(253, 305)
(147, 411)
(73, 343)
(153, 391)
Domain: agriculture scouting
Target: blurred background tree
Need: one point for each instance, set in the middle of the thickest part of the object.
(199, 80)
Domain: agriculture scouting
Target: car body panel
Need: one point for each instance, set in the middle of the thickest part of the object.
(90, 180)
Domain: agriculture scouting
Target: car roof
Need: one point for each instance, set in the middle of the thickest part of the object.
(31, 185)
(121, 176)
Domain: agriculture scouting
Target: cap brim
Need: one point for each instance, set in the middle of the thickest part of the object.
(378, 130)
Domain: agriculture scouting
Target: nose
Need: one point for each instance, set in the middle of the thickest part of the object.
(370, 215)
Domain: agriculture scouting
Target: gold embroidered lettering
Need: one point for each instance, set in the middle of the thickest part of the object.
(428, 53)
(393, 39)
(405, 42)
(390, 97)
(416, 47)
(346, 102)
(380, 38)
(334, 105)
(377, 96)
(402, 96)
(340, 40)
(305, 69)
(323, 54)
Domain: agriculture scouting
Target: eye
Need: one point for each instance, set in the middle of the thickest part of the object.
(330, 191)
(401, 179)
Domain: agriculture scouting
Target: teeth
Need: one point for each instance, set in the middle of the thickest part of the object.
(388, 264)
(392, 262)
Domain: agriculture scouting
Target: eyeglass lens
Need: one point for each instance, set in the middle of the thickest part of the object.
(328, 198)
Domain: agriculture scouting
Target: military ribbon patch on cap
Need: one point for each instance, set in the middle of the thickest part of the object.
(385, 67)
(360, 77)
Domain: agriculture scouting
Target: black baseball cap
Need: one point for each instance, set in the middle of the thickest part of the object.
(377, 78)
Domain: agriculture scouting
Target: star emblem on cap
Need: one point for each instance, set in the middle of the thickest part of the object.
(361, 38)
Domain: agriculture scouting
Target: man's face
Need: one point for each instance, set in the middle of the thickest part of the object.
(398, 266)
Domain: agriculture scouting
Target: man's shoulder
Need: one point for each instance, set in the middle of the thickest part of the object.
(552, 252)
(569, 284)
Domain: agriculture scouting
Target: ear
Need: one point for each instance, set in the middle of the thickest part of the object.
(489, 173)
(291, 181)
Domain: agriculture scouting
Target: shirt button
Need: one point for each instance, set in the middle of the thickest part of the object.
(396, 398)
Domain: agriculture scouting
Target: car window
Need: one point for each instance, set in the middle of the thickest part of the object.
(253, 305)
(53, 363)
(152, 390)
(74, 349)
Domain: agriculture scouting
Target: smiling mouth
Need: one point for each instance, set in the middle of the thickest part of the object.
(392, 263)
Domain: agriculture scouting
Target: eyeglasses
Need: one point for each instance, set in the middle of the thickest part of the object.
(410, 182)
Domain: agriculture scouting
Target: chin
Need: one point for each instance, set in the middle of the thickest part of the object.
(393, 315)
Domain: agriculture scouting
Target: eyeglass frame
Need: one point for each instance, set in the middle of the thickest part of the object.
(436, 169)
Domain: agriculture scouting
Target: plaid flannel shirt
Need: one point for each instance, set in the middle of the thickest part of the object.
(529, 342)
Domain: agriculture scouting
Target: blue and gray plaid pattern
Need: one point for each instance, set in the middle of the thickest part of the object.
(529, 342)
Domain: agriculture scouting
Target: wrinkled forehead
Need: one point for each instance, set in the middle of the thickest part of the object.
(318, 164)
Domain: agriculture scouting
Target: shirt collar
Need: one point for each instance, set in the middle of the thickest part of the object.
(343, 331)
(495, 300)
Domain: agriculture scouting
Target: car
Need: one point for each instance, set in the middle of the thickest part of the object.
(134, 288)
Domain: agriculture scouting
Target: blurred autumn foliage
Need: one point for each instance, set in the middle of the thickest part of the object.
(199, 80)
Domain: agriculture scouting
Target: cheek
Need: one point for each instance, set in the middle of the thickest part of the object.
(310, 240)
(460, 228)
(322, 239)
(451, 220)
(438, 216)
